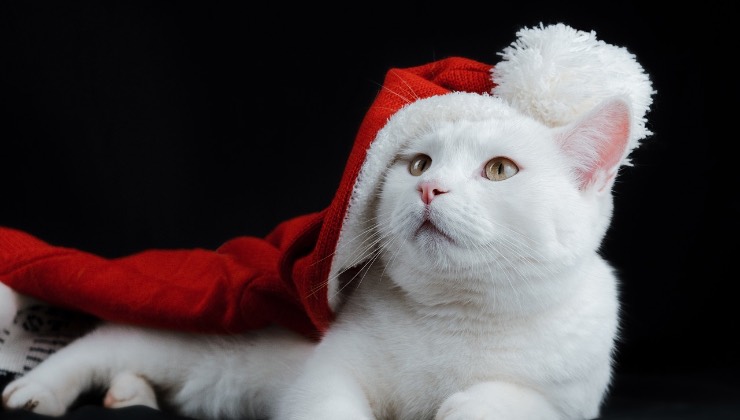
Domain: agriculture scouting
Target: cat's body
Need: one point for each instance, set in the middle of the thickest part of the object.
(485, 296)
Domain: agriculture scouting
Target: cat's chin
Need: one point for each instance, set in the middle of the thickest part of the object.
(439, 249)
(429, 232)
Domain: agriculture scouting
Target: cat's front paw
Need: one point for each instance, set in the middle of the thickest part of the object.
(461, 406)
(329, 409)
(23, 394)
(496, 401)
(129, 389)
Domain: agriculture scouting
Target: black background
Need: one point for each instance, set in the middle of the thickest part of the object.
(128, 126)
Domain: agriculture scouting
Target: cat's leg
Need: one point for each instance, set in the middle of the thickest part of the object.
(88, 363)
(231, 376)
(127, 389)
(495, 401)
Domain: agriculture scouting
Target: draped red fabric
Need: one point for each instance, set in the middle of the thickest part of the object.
(248, 282)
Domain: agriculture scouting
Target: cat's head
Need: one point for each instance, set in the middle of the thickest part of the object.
(479, 187)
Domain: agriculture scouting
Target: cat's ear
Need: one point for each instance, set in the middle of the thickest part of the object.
(597, 143)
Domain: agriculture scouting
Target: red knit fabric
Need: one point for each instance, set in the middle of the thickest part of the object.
(248, 282)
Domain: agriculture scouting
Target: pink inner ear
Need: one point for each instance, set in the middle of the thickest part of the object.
(607, 130)
(611, 155)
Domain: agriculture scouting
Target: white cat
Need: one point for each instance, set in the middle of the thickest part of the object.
(485, 298)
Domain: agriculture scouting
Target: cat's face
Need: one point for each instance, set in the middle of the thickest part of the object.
(484, 196)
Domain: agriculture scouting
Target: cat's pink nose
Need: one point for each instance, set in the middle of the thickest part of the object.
(429, 190)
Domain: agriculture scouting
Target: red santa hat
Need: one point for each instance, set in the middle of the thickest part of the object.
(294, 276)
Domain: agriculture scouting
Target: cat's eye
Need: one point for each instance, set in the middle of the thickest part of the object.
(419, 164)
(500, 168)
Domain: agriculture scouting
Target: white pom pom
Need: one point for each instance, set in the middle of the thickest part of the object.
(556, 74)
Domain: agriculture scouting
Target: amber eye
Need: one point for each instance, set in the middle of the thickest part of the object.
(500, 168)
(419, 164)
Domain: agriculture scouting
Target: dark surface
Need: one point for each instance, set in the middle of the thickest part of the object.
(126, 127)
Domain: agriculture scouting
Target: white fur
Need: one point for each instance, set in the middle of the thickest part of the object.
(8, 304)
(11, 302)
(509, 314)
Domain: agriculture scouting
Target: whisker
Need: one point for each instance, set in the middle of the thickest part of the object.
(351, 241)
(405, 82)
